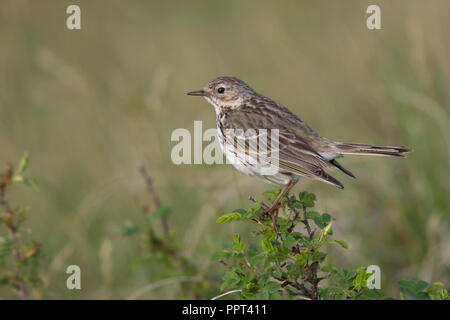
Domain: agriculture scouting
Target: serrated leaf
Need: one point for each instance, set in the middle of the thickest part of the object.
(307, 198)
(262, 295)
(256, 259)
(267, 245)
(272, 193)
(238, 245)
(435, 288)
(23, 164)
(256, 207)
(231, 278)
(229, 217)
(289, 242)
(412, 284)
(272, 287)
(301, 258)
(343, 244)
(414, 289)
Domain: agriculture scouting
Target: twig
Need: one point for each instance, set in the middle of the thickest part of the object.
(306, 223)
(225, 264)
(272, 214)
(297, 213)
(299, 286)
(154, 196)
(263, 205)
(226, 293)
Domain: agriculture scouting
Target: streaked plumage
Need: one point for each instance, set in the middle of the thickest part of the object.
(302, 151)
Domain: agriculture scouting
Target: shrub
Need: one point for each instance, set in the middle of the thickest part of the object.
(18, 258)
(289, 262)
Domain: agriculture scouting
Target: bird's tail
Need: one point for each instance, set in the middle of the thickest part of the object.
(358, 148)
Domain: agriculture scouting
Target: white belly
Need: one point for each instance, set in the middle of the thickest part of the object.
(240, 161)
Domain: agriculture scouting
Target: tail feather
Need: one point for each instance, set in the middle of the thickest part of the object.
(357, 148)
(325, 177)
(338, 165)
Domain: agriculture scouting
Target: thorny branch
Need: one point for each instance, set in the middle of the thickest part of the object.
(154, 196)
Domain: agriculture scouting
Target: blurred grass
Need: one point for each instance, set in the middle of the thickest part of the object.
(90, 105)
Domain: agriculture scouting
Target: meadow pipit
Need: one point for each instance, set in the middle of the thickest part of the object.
(302, 152)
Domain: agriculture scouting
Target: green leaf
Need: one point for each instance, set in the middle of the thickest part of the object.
(162, 212)
(329, 268)
(298, 236)
(325, 231)
(414, 289)
(256, 207)
(272, 193)
(18, 175)
(361, 278)
(302, 258)
(262, 295)
(412, 284)
(435, 288)
(267, 245)
(416, 295)
(256, 259)
(275, 296)
(307, 198)
(313, 215)
(23, 164)
(345, 277)
(290, 241)
(238, 245)
(272, 287)
(241, 211)
(231, 279)
(320, 220)
(6, 246)
(4, 281)
(370, 294)
(229, 217)
(343, 244)
(221, 254)
(129, 228)
(30, 182)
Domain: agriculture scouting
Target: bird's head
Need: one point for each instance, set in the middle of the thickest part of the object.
(224, 92)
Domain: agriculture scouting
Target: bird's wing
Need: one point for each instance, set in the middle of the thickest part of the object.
(295, 155)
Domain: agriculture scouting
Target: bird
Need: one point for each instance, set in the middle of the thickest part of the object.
(301, 151)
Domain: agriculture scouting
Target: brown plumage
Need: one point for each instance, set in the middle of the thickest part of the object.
(302, 151)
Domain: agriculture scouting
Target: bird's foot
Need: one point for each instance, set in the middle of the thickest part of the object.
(273, 207)
(272, 212)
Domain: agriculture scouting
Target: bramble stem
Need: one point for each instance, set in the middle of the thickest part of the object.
(154, 196)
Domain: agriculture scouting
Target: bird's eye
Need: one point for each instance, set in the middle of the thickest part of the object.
(221, 90)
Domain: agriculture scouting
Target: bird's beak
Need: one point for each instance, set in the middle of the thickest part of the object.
(197, 93)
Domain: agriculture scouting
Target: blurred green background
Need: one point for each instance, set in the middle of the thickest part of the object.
(90, 105)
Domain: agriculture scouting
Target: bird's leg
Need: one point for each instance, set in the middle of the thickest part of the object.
(277, 201)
